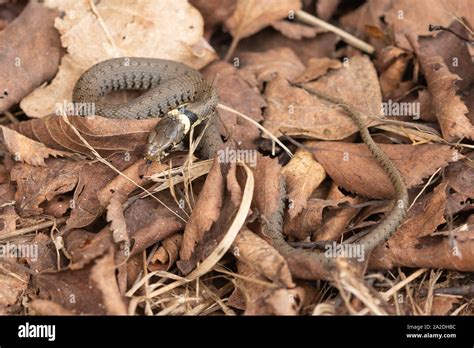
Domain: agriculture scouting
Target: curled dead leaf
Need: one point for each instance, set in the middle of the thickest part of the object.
(206, 211)
(167, 254)
(262, 258)
(450, 109)
(27, 150)
(303, 175)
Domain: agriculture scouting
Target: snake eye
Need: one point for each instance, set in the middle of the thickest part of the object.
(169, 148)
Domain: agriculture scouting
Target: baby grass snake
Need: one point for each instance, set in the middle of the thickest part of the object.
(174, 91)
(180, 95)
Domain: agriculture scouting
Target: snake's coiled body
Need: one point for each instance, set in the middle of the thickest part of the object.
(168, 85)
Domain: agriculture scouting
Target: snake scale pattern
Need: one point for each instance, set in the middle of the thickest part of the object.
(168, 84)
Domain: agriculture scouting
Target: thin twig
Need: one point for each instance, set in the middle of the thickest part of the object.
(11, 117)
(424, 188)
(34, 228)
(258, 125)
(350, 39)
(104, 27)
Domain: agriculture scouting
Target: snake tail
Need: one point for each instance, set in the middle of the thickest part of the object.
(307, 264)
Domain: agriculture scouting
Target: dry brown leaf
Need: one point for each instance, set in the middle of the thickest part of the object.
(12, 284)
(387, 56)
(58, 206)
(250, 16)
(370, 14)
(397, 18)
(414, 246)
(326, 8)
(303, 175)
(38, 184)
(105, 135)
(126, 183)
(205, 212)
(116, 218)
(167, 254)
(86, 207)
(323, 45)
(98, 184)
(391, 78)
(134, 269)
(427, 113)
(323, 218)
(45, 307)
(8, 219)
(263, 66)
(231, 200)
(353, 167)
(84, 246)
(450, 109)
(232, 89)
(139, 29)
(92, 289)
(283, 302)
(454, 51)
(356, 83)
(458, 57)
(31, 52)
(10, 11)
(262, 300)
(460, 180)
(4, 179)
(317, 67)
(336, 220)
(236, 299)
(370, 215)
(460, 176)
(46, 258)
(74, 290)
(262, 258)
(214, 12)
(413, 18)
(296, 31)
(103, 276)
(442, 305)
(269, 188)
(149, 221)
(309, 221)
(233, 186)
(27, 150)
(293, 111)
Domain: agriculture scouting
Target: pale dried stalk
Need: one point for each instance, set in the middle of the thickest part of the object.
(345, 36)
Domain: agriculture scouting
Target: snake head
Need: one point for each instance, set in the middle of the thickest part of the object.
(168, 133)
(156, 152)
